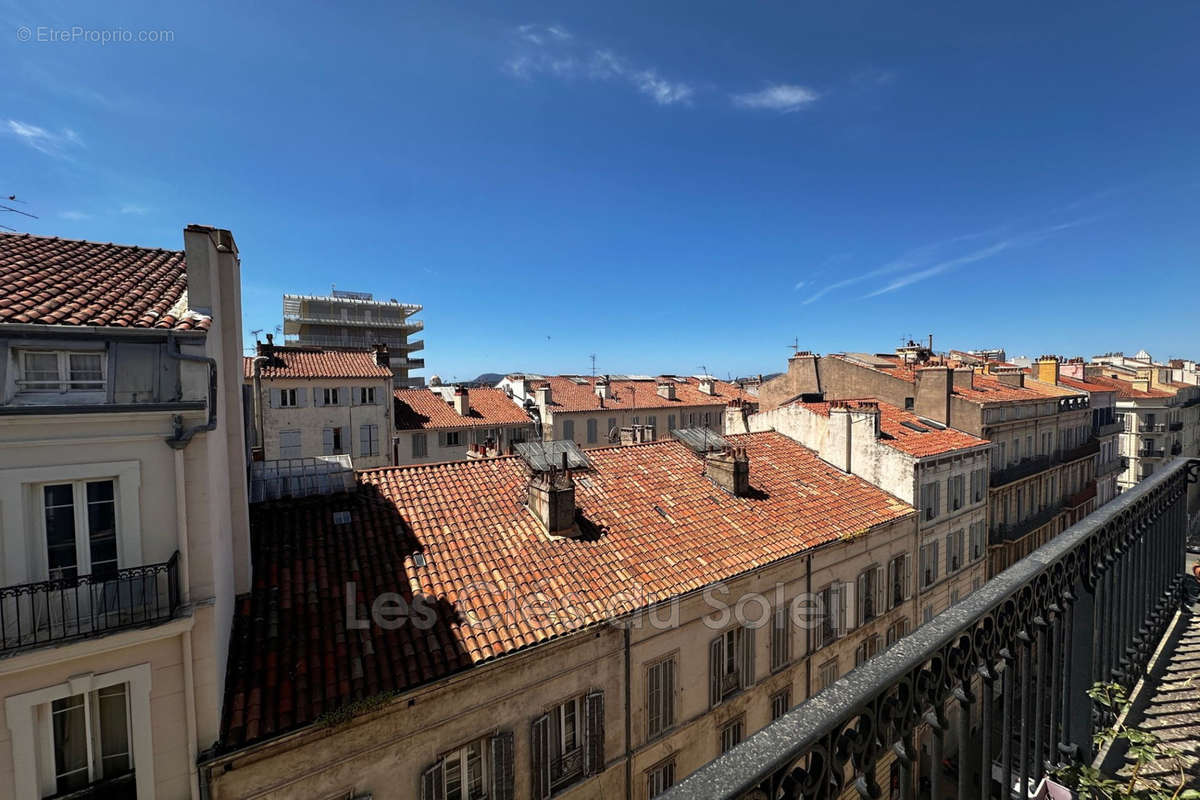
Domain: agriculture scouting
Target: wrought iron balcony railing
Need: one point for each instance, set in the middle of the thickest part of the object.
(1082, 496)
(1152, 452)
(1111, 466)
(1109, 429)
(1030, 466)
(63, 609)
(1017, 655)
(1088, 448)
(1155, 428)
(1175, 426)
(1010, 532)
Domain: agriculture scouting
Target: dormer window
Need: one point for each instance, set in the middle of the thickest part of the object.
(60, 371)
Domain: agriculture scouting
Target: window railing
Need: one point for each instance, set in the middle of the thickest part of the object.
(1030, 466)
(63, 609)
(1088, 448)
(1082, 496)
(1151, 452)
(1092, 604)
(1111, 466)
(1175, 426)
(1109, 429)
(1155, 428)
(1009, 532)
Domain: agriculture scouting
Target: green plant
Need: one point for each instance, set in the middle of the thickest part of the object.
(1144, 749)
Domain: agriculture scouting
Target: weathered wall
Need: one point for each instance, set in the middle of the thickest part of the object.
(312, 419)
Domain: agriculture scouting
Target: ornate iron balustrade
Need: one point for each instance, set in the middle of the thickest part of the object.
(1015, 530)
(1111, 466)
(1109, 429)
(1088, 448)
(1030, 466)
(1175, 426)
(63, 609)
(1092, 604)
(1152, 452)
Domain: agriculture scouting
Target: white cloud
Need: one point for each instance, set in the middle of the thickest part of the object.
(782, 97)
(45, 141)
(132, 208)
(800, 285)
(553, 50)
(75, 215)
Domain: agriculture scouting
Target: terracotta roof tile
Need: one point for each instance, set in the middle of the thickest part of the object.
(1125, 390)
(312, 362)
(52, 281)
(484, 559)
(567, 395)
(418, 409)
(894, 424)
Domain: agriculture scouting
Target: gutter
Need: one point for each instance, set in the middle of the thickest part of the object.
(99, 331)
(180, 437)
(258, 404)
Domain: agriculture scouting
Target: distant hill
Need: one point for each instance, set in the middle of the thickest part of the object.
(489, 379)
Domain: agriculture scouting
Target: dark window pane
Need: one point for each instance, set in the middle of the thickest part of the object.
(60, 530)
(102, 528)
(70, 743)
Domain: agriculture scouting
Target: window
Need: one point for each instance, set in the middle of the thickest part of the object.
(660, 696)
(90, 737)
(591, 431)
(929, 564)
(81, 528)
(832, 612)
(472, 771)
(978, 485)
(568, 743)
(1029, 445)
(978, 540)
(288, 398)
(908, 404)
(660, 778)
(368, 440)
(781, 639)
(60, 371)
(870, 594)
(954, 595)
(896, 631)
(670, 422)
(366, 395)
(707, 420)
(691, 420)
(827, 674)
(653, 423)
(450, 439)
(731, 663)
(956, 488)
(781, 701)
(612, 427)
(329, 397)
(289, 444)
(927, 613)
(1001, 459)
(731, 734)
(899, 580)
(568, 429)
(331, 441)
(1016, 453)
(420, 445)
(954, 551)
(867, 650)
(929, 501)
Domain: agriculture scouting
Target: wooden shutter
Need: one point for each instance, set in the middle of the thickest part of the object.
(892, 580)
(441, 438)
(860, 600)
(878, 587)
(747, 662)
(907, 577)
(343, 395)
(354, 395)
(715, 658)
(432, 785)
(593, 754)
(302, 398)
(502, 766)
(327, 440)
(540, 757)
(843, 611)
(274, 398)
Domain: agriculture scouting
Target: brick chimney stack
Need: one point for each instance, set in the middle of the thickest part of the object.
(381, 355)
(552, 500)
(461, 402)
(730, 470)
(1046, 369)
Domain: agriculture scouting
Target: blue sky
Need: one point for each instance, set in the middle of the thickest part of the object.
(666, 185)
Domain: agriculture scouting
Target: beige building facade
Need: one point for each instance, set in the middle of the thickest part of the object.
(123, 511)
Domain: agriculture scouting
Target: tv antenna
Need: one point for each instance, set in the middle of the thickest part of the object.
(12, 198)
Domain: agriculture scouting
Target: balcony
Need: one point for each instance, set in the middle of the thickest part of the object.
(1176, 448)
(1111, 466)
(1081, 497)
(1174, 426)
(1017, 530)
(1151, 452)
(1088, 448)
(1155, 428)
(1108, 430)
(1027, 467)
(1019, 654)
(65, 609)
(292, 323)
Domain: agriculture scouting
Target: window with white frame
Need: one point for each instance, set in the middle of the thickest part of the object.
(731, 663)
(568, 743)
(329, 397)
(60, 371)
(827, 674)
(957, 490)
(473, 771)
(660, 777)
(732, 733)
(954, 550)
(867, 649)
(463, 771)
(929, 564)
(929, 500)
(781, 638)
(978, 533)
(831, 607)
(870, 594)
(91, 738)
(366, 395)
(899, 580)
(368, 440)
(80, 519)
(660, 696)
(288, 398)
(896, 631)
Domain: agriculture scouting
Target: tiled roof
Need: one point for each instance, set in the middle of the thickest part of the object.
(894, 424)
(567, 395)
(52, 281)
(985, 388)
(1125, 390)
(424, 409)
(310, 362)
(653, 525)
(1084, 385)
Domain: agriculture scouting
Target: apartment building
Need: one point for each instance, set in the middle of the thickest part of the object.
(596, 632)
(1042, 444)
(941, 471)
(1106, 424)
(591, 411)
(344, 319)
(317, 401)
(451, 423)
(123, 511)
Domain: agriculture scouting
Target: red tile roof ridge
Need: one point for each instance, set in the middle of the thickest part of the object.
(23, 235)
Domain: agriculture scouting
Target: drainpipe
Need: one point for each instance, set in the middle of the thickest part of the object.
(628, 721)
(258, 404)
(808, 631)
(189, 675)
(180, 437)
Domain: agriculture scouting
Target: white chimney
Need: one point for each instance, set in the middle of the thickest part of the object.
(542, 395)
(666, 389)
(461, 402)
(707, 386)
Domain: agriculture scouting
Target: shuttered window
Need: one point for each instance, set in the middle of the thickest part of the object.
(781, 639)
(660, 778)
(870, 594)
(978, 540)
(731, 663)
(660, 696)
(929, 564)
(899, 580)
(781, 701)
(832, 608)
(567, 743)
(568, 429)
(591, 431)
(954, 551)
(479, 770)
(368, 440)
(827, 674)
(289, 444)
(732, 734)
(420, 445)
(331, 441)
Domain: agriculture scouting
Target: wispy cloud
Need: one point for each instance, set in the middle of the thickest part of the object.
(555, 51)
(132, 208)
(800, 285)
(56, 144)
(74, 215)
(783, 97)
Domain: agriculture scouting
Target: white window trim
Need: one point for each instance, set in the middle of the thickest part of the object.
(64, 372)
(28, 716)
(23, 525)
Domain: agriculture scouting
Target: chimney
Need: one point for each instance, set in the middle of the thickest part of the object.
(730, 470)
(268, 350)
(381, 356)
(542, 395)
(637, 434)
(933, 393)
(461, 402)
(1093, 371)
(1141, 384)
(1011, 378)
(964, 378)
(839, 435)
(602, 389)
(552, 500)
(706, 386)
(1045, 369)
(666, 389)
